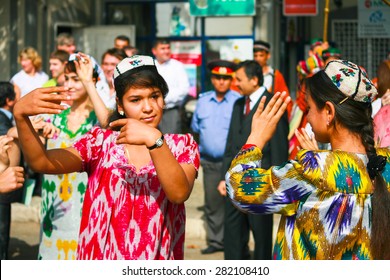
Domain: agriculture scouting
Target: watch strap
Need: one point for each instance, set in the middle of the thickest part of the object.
(158, 144)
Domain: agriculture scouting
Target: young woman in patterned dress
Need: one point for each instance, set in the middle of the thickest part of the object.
(138, 179)
(334, 204)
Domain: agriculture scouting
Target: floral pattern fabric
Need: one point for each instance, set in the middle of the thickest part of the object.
(324, 198)
(62, 196)
(126, 214)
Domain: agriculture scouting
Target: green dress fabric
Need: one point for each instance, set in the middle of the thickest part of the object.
(62, 196)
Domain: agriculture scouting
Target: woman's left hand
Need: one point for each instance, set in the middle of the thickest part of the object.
(134, 132)
(305, 141)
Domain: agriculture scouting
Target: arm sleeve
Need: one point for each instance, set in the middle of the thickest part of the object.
(190, 152)
(179, 87)
(89, 147)
(195, 120)
(255, 190)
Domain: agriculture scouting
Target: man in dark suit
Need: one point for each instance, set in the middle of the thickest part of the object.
(7, 101)
(249, 80)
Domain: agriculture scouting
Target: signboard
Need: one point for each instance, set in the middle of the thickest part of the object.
(373, 19)
(300, 7)
(204, 8)
(237, 50)
(189, 53)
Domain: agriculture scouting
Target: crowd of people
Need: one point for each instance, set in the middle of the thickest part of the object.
(107, 141)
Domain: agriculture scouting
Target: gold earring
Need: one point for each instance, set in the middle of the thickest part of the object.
(121, 113)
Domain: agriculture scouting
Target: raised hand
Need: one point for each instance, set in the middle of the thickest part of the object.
(84, 67)
(265, 120)
(386, 98)
(305, 141)
(5, 144)
(42, 101)
(135, 132)
(50, 131)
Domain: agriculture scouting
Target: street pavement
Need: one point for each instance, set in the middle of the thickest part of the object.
(25, 228)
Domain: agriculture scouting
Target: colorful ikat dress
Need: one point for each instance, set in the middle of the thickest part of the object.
(324, 198)
(126, 214)
(62, 197)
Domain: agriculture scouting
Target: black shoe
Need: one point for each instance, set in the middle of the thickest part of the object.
(210, 250)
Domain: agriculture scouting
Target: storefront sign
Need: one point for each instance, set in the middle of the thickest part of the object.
(222, 7)
(300, 7)
(189, 53)
(373, 19)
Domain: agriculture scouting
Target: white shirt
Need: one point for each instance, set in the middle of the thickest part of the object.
(27, 83)
(254, 97)
(268, 78)
(175, 75)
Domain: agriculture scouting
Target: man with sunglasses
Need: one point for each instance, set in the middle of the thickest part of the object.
(211, 121)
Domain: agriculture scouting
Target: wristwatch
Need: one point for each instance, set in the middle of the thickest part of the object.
(158, 144)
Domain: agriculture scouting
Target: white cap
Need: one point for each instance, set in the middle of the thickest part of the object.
(130, 63)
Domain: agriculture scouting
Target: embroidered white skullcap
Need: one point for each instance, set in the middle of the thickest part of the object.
(130, 63)
(352, 80)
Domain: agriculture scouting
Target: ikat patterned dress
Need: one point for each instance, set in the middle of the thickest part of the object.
(62, 196)
(324, 198)
(126, 214)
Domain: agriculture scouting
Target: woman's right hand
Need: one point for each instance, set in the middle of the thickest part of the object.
(5, 144)
(266, 118)
(41, 101)
(11, 179)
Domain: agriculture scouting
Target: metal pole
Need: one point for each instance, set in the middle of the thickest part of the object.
(326, 12)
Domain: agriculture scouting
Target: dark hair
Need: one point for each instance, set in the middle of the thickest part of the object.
(70, 67)
(141, 77)
(6, 91)
(118, 53)
(61, 55)
(162, 41)
(252, 70)
(383, 75)
(123, 38)
(356, 117)
(131, 49)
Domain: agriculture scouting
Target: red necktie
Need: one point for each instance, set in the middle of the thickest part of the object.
(247, 105)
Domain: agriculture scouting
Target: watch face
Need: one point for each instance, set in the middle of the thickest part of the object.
(159, 142)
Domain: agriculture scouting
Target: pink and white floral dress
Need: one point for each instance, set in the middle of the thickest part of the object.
(126, 214)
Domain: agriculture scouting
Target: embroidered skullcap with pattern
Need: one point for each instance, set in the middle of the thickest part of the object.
(315, 43)
(352, 80)
(134, 63)
(302, 68)
(331, 52)
(314, 63)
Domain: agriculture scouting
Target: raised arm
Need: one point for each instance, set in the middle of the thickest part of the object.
(84, 68)
(43, 101)
(176, 179)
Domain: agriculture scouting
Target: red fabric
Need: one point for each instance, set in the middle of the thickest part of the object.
(126, 214)
(280, 86)
(247, 105)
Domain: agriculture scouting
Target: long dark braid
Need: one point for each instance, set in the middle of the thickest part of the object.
(380, 237)
(356, 116)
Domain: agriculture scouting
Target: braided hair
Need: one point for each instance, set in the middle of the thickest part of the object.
(356, 117)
